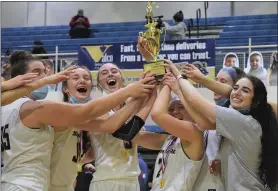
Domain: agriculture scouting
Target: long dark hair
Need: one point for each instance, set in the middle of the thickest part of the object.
(263, 113)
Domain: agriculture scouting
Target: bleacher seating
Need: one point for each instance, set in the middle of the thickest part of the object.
(228, 31)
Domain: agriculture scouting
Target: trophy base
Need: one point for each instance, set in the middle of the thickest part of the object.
(156, 68)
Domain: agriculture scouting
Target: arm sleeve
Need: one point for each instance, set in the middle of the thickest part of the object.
(72, 22)
(173, 29)
(87, 23)
(231, 124)
(129, 130)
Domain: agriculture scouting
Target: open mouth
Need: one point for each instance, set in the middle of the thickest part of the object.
(111, 82)
(82, 90)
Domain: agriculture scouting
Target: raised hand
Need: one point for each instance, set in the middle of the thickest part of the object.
(61, 76)
(20, 80)
(153, 96)
(193, 73)
(142, 76)
(144, 49)
(172, 68)
(142, 87)
(170, 80)
(148, 74)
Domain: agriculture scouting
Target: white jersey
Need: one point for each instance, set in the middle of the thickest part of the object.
(63, 170)
(206, 180)
(25, 152)
(112, 160)
(180, 172)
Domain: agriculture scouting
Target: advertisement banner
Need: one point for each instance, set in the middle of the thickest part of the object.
(200, 52)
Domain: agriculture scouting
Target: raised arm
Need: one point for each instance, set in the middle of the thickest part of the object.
(86, 22)
(18, 81)
(183, 129)
(149, 140)
(217, 87)
(172, 82)
(129, 130)
(146, 109)
(72, 22)
(202, 105)
(114, 122)
(222, 89)
(146, 139)
(36, 114)
(173, 29)
(196, 75)
(27, 87)
(196, 100)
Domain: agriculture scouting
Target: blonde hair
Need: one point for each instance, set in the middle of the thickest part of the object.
(65, 83)
(98, 83)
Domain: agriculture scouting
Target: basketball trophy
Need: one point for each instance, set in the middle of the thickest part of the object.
(152, 36)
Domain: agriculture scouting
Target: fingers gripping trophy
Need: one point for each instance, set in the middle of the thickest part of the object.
(151, 38)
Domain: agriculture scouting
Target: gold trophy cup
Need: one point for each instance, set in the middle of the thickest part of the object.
(152, 36)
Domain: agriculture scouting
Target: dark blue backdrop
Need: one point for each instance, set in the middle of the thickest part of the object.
(126, 56)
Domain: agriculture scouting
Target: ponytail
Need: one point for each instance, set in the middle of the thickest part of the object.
(264, 114)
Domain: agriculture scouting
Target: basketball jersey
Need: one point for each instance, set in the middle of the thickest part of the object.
(26, 152)
(63, 170)
(180, 172)
(112, 160)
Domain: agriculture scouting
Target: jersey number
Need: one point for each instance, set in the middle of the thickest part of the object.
(5, 140)
(159, 172)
